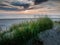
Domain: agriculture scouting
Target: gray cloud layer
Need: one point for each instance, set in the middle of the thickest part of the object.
(21, 0)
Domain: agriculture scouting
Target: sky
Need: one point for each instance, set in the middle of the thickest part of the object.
(23, 0)
(1, 1)
(10, 8)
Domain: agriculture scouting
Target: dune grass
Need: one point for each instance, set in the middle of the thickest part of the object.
(20, 34)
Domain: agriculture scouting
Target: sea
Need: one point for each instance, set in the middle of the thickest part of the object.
(7, 20)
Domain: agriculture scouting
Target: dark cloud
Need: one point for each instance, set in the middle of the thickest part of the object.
(54, 0)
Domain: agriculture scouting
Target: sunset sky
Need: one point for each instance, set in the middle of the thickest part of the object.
(46, 7)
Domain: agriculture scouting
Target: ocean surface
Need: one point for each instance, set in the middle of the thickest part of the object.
(6, 20)
(6, 23)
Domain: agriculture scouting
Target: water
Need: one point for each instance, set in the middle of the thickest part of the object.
(6, 20)
(6, 23)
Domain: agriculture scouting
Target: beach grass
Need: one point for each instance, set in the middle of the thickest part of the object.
(20, 34)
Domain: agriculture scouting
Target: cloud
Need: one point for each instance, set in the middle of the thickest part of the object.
(1, 1)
